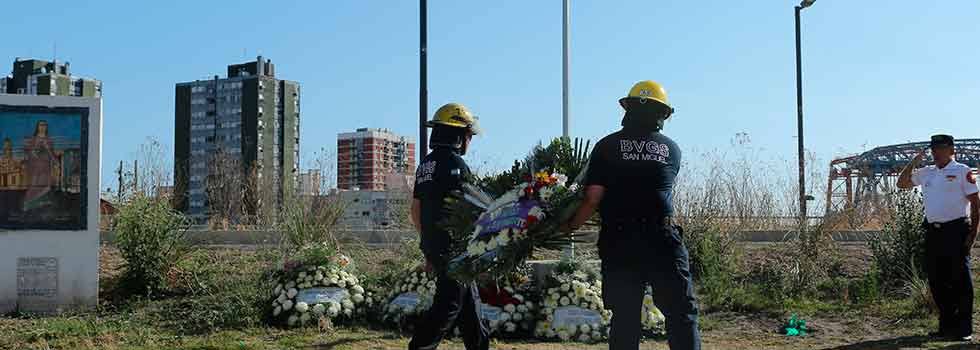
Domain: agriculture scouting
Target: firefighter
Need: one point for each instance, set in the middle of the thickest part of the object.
(440, 172)
(630, 180)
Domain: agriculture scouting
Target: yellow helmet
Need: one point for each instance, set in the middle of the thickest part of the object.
(457, 116)
(645, 91)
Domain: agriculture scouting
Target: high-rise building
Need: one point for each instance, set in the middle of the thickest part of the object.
(309, 183)
(367, 156)
(249, 120)
(39, 77)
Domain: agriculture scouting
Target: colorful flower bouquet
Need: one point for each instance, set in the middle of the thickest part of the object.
(513, 226)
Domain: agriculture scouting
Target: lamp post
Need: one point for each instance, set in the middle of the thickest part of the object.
(423, 80)
(569, 251)
(799, 111)
(564, 68)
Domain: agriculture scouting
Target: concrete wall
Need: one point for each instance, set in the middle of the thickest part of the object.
(76, 253)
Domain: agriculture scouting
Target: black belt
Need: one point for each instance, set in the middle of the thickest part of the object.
(941, 225)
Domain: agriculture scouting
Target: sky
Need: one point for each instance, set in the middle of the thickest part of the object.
(875, 72)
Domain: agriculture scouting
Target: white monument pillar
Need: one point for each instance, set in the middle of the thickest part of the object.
(50, 167)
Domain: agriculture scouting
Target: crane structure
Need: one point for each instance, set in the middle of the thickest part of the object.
(861, 183)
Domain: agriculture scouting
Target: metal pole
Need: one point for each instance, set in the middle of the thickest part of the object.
(564, 69)
(423, 82)
(569, 251)
(799, 119)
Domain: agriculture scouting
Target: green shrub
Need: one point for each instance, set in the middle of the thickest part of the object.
(711, 252)
(865, 290)
(219, 290)
(773, 282)
(812, 258)
(150, 237)
(306, 221)
(916, 290)
(898, 251)
(713, 257)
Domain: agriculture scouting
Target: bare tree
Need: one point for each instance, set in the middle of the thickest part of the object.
(154, 172)
(225, 189)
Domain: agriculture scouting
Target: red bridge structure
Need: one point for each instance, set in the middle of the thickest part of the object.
(861, 184)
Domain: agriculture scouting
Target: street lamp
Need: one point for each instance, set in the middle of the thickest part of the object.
(799, 110)
(423, 81)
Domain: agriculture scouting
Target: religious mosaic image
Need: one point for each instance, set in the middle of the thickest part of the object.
(43, 167)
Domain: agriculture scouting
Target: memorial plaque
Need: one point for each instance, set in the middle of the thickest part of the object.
(313, 296)
(574, 316)
(407, 301)
(490, 313)
(37, 284)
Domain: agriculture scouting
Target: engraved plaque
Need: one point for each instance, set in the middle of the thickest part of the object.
(37, 284)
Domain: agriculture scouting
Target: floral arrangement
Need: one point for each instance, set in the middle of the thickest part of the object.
(310, 293)
(651, 317)
(513, 226)
(573, 308)
(410, 298)
(510, 306)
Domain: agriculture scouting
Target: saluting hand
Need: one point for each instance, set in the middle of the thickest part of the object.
(919, 156)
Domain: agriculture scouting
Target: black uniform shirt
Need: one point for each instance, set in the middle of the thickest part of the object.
(439, 173)
(638, 171)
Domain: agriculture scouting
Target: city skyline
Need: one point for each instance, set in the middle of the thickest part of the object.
(248, 119)
(869, 72)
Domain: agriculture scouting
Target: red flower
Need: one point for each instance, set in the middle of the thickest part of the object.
(531, 220)
(491, 295)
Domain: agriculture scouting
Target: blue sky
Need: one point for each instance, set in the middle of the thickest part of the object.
(875, 73)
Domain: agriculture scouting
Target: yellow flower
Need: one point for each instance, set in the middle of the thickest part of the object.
(542, 176)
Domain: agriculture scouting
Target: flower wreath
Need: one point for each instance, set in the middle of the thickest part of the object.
(310, 293)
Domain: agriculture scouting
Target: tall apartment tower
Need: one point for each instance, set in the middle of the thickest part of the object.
(367, 156)
(250, 119)
(39, 77)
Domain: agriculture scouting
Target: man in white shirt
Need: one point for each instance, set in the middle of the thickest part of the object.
(949, 194)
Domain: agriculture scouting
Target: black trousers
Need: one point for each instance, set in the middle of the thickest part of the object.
(948, 264)
(634, 255)
(453, 302)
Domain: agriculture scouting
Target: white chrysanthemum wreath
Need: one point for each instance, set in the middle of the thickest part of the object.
(572, 306)
(306, 294)
(411, 297)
